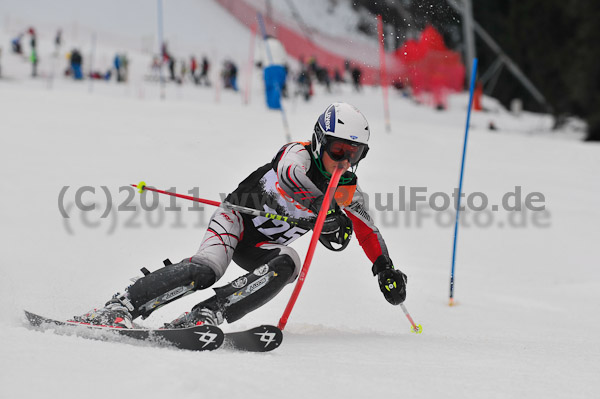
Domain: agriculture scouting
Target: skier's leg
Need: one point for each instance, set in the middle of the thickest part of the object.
(174, 281)
(271, 267)
(281, 267)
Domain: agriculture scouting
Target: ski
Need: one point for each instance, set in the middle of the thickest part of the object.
(263, 338)
(197, 338)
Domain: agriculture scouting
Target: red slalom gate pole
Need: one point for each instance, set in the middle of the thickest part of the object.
(335, 178)
(383, 74)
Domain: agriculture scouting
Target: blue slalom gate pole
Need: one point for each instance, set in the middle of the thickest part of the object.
(460, 182)
(263, 31)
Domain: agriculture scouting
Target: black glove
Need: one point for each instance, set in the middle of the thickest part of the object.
(337, 229)
(392, 282)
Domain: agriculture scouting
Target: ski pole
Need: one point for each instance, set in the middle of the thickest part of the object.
(304, 223)
(335, 178)
(416, 328)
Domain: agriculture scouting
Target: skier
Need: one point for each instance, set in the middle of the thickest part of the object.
(292, 184)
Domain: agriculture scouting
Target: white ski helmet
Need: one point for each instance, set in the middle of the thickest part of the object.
(345, 125)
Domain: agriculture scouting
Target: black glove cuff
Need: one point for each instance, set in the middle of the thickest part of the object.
(383, 262)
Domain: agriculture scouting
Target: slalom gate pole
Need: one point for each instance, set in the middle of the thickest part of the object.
(383, 74)
(304, 223)
(92, 56)
(335, 178)
(263, 31)
(250, 67)
(460, 181)
(159, 15)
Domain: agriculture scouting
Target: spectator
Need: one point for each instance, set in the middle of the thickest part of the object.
(117, 65)
(183, 70)
(33, 57)
(193, 68)
(272, 57)
(204, 71)
(304, 83)
(229, 75)
(76, 62)
(171, 61)
(356, 74)
(16, 44)
(124, 67)
(57, 42)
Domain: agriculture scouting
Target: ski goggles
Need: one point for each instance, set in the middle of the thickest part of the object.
(340, 149)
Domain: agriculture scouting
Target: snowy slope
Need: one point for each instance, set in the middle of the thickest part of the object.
(525, 325)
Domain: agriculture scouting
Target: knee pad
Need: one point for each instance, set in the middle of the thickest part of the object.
(251, 291)
(292, 256)
(168, 284)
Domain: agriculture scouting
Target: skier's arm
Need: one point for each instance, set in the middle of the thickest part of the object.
(368, 235)
(392, 282)
(293, 162)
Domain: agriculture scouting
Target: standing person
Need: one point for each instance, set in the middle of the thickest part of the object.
(193, 69)
(229, 75)
(272, 58)
(204, 71)
(76, 62)
(33, 57)
(16, 44)
(233, 71)
(291, 184)
(171, 61)
(117, 65)
(183, 70)
(124, 67)
(356, 74)
(57, 42)
(304, 83)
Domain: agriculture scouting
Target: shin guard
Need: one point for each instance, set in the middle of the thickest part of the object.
(168, 284)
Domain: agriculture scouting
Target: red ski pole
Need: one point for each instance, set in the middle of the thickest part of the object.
(335, 178)
(305, 223)
(416, 328)
(142, 186)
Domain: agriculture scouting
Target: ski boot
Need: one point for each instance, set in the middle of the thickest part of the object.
(202, 313)
(114, 314)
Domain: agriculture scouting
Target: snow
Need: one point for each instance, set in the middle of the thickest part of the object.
(524, 323)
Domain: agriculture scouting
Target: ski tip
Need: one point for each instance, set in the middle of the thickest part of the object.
(33, 319)
(264, 338)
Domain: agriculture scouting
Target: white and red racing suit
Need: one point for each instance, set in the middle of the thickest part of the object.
(290, 185)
